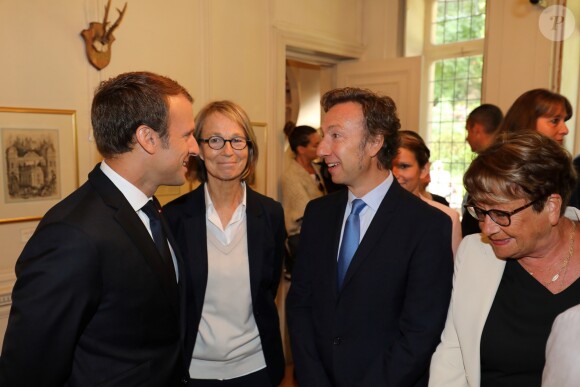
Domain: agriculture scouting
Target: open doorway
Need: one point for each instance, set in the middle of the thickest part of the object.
(303, 93)
(302, 107)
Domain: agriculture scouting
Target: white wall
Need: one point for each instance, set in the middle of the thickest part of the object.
(517, 57)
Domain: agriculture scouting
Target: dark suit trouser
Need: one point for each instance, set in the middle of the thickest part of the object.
(256, 379)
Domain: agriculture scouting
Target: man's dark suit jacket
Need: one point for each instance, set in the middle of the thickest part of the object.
(383, 326)
(266, 234)
(93, 304)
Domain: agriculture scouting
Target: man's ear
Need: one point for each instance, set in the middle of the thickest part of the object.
(147, 138)
(375, 144)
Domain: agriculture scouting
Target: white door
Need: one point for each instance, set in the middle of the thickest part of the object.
(399, 78)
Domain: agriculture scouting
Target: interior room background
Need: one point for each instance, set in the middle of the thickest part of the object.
(241, 50)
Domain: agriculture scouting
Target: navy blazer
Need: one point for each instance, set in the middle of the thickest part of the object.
(93, 304)
(383, 326)
(266, 234)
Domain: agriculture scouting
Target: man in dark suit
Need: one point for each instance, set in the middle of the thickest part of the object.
(95, 303)
(377, 320)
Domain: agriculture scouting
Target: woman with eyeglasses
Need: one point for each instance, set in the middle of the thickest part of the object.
(232, 242)
(513, 279)
(301, 182)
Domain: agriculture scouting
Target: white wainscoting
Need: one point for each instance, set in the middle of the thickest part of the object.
(7, 279)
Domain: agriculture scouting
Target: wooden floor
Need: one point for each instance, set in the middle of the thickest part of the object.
(288, 380)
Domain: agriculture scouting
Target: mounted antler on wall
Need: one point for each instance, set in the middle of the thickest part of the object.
(99, 38)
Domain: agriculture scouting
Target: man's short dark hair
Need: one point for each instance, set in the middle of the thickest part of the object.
(488, 115)
(129, 100)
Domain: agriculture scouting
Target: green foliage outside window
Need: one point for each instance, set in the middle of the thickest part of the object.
(455, 90)
(459, 20)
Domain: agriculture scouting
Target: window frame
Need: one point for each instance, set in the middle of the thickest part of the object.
(435, 52)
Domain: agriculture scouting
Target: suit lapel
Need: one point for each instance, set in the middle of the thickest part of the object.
(136, 230)
(336, 218)
(178, 273)
(197, 264)
(377, 230)
(256, 230)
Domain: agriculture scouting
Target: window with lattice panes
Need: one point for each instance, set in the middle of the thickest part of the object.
(454, 58)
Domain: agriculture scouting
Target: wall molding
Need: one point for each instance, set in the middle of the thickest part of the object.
(316, 44)
(7, 280)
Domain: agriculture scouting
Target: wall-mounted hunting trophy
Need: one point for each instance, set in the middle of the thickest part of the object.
(99, 38)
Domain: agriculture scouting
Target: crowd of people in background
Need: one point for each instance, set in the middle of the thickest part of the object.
(388, 285)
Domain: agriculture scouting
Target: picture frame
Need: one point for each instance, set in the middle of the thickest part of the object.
(167, 193)
(39, 161)
(261, 172)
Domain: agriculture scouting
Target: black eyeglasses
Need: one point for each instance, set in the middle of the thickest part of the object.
(218, 142)
(502, 218)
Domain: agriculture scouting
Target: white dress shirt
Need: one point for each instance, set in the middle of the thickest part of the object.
(137, 199)
(372, 200)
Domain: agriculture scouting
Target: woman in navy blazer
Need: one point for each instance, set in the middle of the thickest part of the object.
(232, 240)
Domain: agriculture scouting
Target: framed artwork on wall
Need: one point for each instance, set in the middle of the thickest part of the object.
(258, 182)
(39, 161)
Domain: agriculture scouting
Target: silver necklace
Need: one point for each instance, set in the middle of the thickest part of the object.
(565, 261)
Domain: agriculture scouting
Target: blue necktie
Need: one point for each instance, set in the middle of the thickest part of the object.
(350, 239)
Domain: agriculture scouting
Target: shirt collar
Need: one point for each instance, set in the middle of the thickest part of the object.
(374, 198)
(209, 203)
(136, 198)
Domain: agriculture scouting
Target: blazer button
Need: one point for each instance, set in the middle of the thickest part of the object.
(184, 380)
(337, 341)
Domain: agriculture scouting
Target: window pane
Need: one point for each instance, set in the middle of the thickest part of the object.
(462, 68)
(447, 94)
(451, 10)
(477, 26)
(474, 89)
(438, 70)
(440, 12)
(448, 69)
(458, 20)
(458, 91)
(466, 8)
(475, 67)
(464, 29)
(439, 32)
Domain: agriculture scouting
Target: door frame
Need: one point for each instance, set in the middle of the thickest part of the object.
(299, 46)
